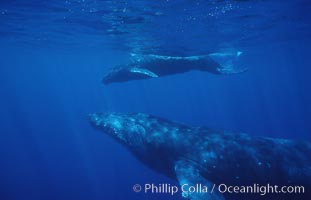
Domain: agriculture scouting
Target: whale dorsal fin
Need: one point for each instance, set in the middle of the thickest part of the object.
(143, 71)
(187, 173)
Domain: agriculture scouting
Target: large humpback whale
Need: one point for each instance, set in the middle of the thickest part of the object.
(153, 66)
(193, 155)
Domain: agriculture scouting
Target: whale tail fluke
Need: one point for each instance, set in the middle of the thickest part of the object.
(227, 62)
(229, 54)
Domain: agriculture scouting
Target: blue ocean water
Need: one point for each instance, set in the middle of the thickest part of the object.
(53, 57)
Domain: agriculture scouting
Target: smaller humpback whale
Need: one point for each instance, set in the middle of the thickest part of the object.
(198, 155)
(154, 66)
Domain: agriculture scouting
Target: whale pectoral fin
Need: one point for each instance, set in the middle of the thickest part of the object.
(188, 175)
(143, 72)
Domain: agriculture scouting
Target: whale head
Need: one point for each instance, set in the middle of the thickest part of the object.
(126, 129)
(115, 74)
(143, 134)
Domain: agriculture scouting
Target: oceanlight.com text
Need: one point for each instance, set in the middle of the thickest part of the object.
(262, 190)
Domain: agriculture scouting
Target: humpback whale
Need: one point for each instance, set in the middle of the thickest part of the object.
(154, 66)
(199, 155)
